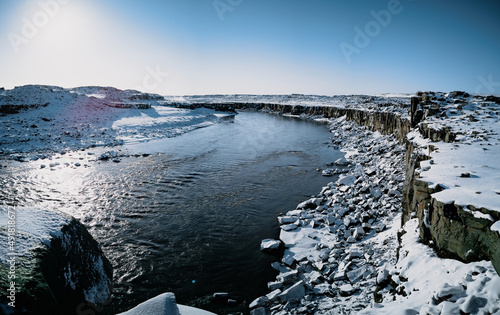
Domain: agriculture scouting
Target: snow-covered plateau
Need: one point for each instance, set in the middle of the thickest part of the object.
(413, 226)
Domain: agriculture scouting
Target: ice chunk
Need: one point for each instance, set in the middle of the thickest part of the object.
(269, 244)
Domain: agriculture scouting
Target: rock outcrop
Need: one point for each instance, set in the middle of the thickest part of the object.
(57, 267)
(455, 231)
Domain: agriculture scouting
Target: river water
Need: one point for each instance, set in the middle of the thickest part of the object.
(188, 218)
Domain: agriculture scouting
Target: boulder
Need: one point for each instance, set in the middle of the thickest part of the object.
(288, 277)
(293, 293)
(342, 162)
(258, 302)
(359, 233)
(274, 285)
(340, 275)
(346, 290)
(273, 295)
(59, 267)
(312, 203)
(382, 276)
(356, 274)
(347, 180)
(286, 220)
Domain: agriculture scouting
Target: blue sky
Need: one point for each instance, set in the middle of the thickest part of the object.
(178, 47)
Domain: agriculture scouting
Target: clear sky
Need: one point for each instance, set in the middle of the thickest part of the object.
(179, 47)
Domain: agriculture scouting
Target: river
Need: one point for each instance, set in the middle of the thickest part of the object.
(189, 217)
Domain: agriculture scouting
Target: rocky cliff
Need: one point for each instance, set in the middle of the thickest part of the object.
(461, 231)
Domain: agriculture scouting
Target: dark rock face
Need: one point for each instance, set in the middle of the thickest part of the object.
(70, 276)
(416, 112)
(14, 109)
(452, 230)
(76, 270)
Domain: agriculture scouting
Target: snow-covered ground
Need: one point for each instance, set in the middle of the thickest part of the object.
(52, 119)
(342, 251)
(427, 284)
(469, 168)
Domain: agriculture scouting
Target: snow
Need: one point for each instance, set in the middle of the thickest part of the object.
(189, 310)
(58, 119)
(339, 245)
(33, 226)
(386, 103)
(342, 261)
(459, 285)
(269, 244)
(496, 227)
(162, 122)
(164, 304)
(94, 294)
(453, 159)
(475, 152)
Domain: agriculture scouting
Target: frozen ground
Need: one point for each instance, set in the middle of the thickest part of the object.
(469, 168)
(52, 120)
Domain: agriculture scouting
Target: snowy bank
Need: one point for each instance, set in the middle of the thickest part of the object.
(39, 121)
(427, 284)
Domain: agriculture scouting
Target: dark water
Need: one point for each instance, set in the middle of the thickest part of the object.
(189, 218)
